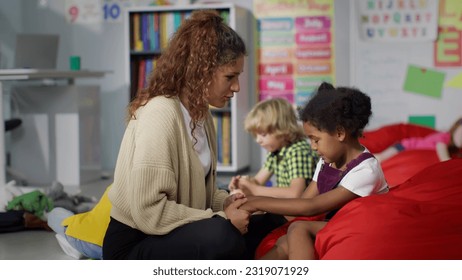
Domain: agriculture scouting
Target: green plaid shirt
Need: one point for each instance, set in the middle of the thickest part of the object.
(295, 161)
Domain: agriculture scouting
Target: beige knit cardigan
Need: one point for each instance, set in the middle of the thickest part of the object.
(159, 182)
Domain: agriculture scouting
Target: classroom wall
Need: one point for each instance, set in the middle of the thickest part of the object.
(381, 69)
(101, 47)
(10, 25)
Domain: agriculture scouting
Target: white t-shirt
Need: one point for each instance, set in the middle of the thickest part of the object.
(364, 179)
(202, 146)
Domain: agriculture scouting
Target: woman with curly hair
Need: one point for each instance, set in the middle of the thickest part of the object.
(165, 204)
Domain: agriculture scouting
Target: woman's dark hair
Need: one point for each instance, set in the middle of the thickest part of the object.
(332, 108)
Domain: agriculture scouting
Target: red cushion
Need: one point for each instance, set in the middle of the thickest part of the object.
(406, 164)
(420, 219)
(379, 139)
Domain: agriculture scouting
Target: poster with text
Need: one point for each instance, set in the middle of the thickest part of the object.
(448, 50)
(398, 20)
(295, 47)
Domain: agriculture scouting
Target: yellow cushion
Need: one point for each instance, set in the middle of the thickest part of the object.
(91, 226)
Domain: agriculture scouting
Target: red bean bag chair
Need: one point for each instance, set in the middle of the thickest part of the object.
(404, 165)
(419, 219)
(397, 169)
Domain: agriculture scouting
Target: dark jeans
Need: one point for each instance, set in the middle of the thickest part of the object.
(214, 238)
(12, 221)
(260, 226)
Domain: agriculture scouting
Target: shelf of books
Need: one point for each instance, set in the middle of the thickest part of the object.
(148, 30)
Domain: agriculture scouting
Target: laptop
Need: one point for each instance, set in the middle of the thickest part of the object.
(36, 51)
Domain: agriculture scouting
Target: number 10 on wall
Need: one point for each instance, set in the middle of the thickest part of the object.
(111, 11)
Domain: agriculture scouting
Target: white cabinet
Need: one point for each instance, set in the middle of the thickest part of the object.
(148, 29)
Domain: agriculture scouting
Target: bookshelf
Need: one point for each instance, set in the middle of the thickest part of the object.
(147, 30)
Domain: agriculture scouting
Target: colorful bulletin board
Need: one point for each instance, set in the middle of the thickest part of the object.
(295, 47)
(398, 20)
(409, 78)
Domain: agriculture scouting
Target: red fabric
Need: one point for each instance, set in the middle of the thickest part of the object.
(270, 240)
(397, 170)
(420, 219)
(404, 165)
(379, 139)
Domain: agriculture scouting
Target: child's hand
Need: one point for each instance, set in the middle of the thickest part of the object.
(233, 184)
(248, 205)
(246, 185)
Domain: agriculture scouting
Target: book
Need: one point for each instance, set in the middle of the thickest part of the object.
(141, 74)
(226, 138)
(163, 30)
(145, 31)
(137, 43)
(152, 33)
(149, 68)
(133, 78)
(156, 32)
(219, 138)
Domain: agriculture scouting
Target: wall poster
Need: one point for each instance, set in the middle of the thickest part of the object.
(448, 51)
(295, 47)
(398, 20)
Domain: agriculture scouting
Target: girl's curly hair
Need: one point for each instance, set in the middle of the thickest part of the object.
(332, 108)
(201, 44)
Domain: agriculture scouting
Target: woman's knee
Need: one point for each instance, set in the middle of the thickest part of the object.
(223, 240)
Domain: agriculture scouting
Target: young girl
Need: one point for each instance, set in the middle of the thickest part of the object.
(446, 144)
(274, 126)
(333, 120)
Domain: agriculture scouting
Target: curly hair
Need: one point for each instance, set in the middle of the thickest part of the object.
(186, 67)
(333, 108)
(274, 116)
(452, 148)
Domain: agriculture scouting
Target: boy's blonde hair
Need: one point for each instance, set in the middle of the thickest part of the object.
(274, 116)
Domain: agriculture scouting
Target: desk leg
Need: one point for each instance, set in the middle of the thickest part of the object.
(2, 140)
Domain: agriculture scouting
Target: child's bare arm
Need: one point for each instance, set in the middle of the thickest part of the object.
(442, 151)
(319, 204)
(296, 188)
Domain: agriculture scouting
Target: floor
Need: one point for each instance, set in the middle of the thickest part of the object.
(42, 245)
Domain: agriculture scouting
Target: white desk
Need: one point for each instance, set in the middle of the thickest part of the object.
(34, 74)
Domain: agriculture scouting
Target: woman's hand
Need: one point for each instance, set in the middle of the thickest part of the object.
(238, 217)
(231, 198)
